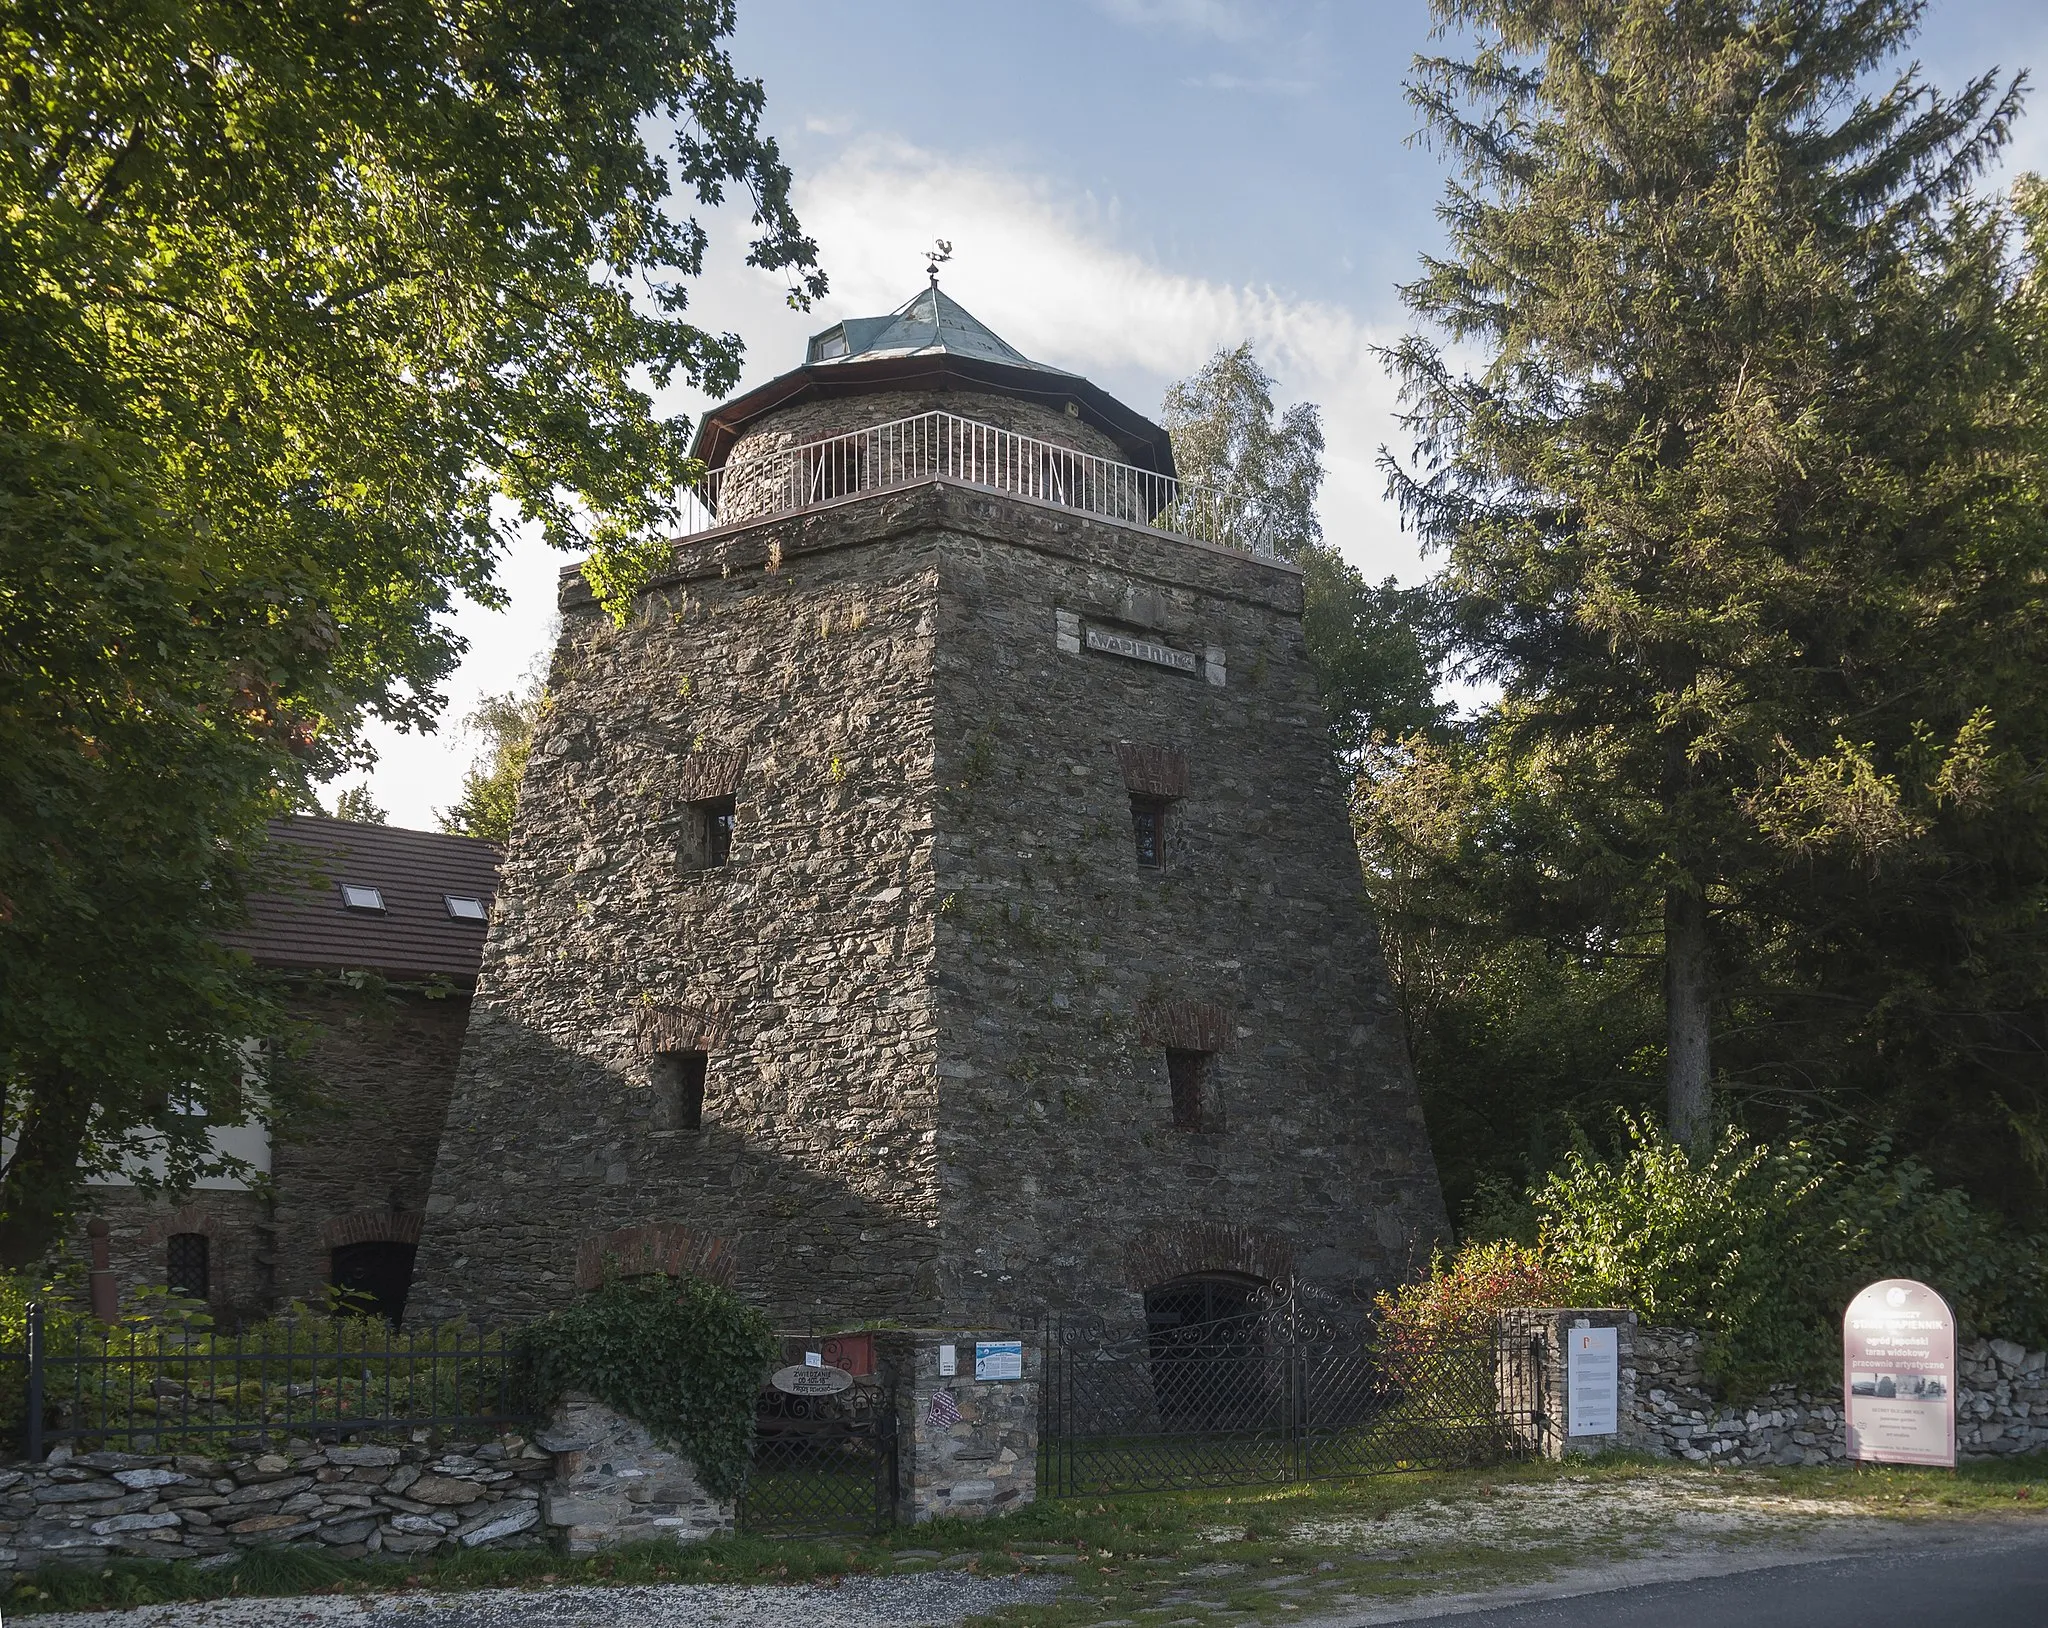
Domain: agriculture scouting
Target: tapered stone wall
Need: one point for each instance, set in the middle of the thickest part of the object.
(936, 988)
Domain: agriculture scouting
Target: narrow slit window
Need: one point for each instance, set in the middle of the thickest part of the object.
(1148, 830)
(712, 822)
(186, 1265)
(679, 1077)
(719, 819)
(1188, 1083)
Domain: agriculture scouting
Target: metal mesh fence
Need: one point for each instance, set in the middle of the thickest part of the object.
(156, 1389)
(822, 1465)
(1262, 1398)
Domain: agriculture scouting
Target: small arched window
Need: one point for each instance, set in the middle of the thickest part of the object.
(186, 1265)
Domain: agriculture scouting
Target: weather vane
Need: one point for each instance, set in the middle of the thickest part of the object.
(936, 256)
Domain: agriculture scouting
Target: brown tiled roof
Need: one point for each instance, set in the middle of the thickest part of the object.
(307, 926)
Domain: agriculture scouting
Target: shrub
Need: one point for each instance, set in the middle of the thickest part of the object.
(1457, 1302)
(682, 1356)
(1761, 1248)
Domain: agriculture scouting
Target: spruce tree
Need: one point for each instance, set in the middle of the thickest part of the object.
(1740, 508)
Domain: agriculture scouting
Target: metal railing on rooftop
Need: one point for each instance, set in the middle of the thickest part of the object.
(943, 446)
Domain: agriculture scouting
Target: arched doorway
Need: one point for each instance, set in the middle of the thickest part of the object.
(1206, 1339)
(378, 1273)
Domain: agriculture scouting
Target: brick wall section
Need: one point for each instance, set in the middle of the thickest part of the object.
(386, 1060)
(237, 1225)
(354, 1169)
(932, 1102)
(1058, 954)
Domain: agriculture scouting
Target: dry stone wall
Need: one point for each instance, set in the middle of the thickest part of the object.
(613, 1484)
(2001, 1407)
(933, 1095)
(404, 1500)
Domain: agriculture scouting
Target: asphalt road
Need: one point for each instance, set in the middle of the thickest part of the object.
(1929, 1581)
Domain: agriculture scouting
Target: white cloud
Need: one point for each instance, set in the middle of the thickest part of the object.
(1237, 82)
(1219, 19)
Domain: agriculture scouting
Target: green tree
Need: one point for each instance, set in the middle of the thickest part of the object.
(356, 803)
(490, 787)
(1367, 645)
(1743, 514)
(302, 308)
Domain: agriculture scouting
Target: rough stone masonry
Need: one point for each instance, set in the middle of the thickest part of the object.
(933, 1042)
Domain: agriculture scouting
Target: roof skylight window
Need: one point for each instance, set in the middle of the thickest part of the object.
(464, 908)
(355, 897)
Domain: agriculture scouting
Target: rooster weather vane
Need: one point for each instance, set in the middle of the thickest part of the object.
(936, 256)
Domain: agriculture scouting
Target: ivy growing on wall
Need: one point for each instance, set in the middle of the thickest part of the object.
(682, 1356)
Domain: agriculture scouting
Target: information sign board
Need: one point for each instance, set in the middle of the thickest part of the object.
(1899, 1375)
(999, 1359)
(1592, 1369)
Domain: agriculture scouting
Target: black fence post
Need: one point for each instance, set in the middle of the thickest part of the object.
(34, 1422)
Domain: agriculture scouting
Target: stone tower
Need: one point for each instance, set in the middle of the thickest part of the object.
(936, 903)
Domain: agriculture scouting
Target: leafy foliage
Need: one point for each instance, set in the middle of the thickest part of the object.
(1741, 507)
(1374, 661)
(490, 787)
(1457, 1302)
(682, 1356)
(1762, 1247)
(302, 309)
(1528, 1027)
(356, 803)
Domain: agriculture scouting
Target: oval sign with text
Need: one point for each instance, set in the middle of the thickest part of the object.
(801, 1379)
(1899, 1375)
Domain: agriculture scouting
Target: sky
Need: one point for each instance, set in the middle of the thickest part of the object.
(1128, 186)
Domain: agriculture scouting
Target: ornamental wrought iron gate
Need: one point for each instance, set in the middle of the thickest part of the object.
(824, 1465)
(1270, 1393)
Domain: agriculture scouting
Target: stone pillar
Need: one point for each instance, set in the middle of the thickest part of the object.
(966, 1446)
(1530, 1366)
(613, 1485)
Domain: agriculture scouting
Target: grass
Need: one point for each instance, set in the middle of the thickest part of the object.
(1252, 1549)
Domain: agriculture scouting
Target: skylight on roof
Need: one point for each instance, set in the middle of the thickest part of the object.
(464, 908)
(357, 897)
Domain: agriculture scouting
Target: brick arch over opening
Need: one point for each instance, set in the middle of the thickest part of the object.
(1184, 1025)
(371, 1227)
(188, 1218)
(679, 1028)
(1166, 1253)
(659, 1246)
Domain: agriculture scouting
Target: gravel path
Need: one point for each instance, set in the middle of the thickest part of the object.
(932, 1598)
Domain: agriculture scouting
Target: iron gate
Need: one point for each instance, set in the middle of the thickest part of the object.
(1270, 1395)
(823, 1465)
